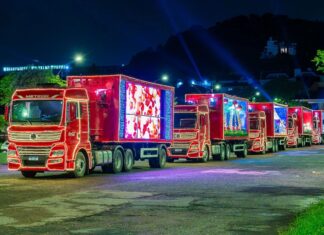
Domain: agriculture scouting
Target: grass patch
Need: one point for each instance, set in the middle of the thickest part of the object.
(311, 221)
(3, 158)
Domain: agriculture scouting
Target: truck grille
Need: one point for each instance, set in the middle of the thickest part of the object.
(35, 136)
(185, 135)
(180, 145)
(34, 151)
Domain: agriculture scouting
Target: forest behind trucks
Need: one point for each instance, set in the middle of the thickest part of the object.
(210, 126)
(268, 127)
(108, 121)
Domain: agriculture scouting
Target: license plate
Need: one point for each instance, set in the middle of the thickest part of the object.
(33, 158)
(178, 150)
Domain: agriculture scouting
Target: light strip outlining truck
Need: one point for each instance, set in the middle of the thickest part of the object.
(210, 126)
(108, 121)
(268, 127)
(300, 126)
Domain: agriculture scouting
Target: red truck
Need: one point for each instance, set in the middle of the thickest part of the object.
(211, 125)
(300, 126)
(268, 127)
(318, 131)
(108, 121)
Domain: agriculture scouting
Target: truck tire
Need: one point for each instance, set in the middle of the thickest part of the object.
(205, 157)
(227, 151)
(160, 161)
(264, 151)
(117, 161)
(273, 149)
(29, 174)
(128, 160)
(221, 156)
(80, 167)
(244, 153)
(303, 142)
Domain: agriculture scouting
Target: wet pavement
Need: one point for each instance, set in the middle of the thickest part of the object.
(256, 195)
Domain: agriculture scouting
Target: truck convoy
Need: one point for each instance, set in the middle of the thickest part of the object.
(318, 131)
(268, 127)
(300, 126)
(108, 121)
(113, 120)
(211, 125)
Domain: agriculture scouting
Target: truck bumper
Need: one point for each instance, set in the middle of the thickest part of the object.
(52, 164)
(185, 153)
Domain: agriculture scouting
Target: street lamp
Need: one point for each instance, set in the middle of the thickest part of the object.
(78, 58)
(218, 87)
(257, 93)
(165, 77)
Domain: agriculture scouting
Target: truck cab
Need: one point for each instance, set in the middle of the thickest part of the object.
(258, 132)
(48, 131)
(300, 126)
(191, 138)
(317, 135)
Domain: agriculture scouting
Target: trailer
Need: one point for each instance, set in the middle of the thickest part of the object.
(268, 127)
(300, 126)
(108, 121)
(318, 131)
(210, 126)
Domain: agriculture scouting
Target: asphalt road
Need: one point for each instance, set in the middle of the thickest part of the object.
(256, 195)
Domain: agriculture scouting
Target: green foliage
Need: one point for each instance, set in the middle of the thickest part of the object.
(319, 60)
(6, 89)
(2, 123)
(26, 79)
(310, 221)
(3, 157)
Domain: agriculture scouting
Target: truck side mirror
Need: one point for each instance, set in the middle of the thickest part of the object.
(6, 114)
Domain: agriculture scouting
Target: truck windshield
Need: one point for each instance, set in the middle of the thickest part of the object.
(185, 120)
(254, 124)
(37, 111)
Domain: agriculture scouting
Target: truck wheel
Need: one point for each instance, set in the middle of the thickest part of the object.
(80, 167)
(160, 161)
(117, 162)
(244, 153)
(29, 174)
(222, 152)
(284, 146)
(205, 157)
(303, 142)
(264, 149)
(128, 160)
(273, 149)
(227, 151)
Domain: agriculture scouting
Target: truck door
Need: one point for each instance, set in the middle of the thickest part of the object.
(202, 129)
(72, 136)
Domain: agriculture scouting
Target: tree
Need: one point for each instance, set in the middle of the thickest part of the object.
(319, 60)
(26, 79)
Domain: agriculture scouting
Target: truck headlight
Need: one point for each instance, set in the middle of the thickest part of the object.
(57, 153)
(194, 147)
(11, 153)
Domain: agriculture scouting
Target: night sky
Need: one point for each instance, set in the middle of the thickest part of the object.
(111, 32)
